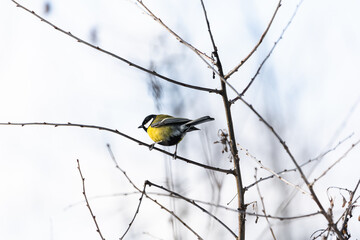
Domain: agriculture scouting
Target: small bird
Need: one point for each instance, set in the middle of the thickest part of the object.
(167, 130)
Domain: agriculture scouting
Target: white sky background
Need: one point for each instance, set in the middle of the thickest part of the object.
(308, 90)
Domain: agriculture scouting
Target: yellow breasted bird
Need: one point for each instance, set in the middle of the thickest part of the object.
(167, 130)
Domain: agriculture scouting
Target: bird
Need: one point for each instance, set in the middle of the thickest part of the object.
(167, 130)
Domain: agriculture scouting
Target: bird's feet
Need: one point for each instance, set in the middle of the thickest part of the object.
(174, 156)
(151, 147)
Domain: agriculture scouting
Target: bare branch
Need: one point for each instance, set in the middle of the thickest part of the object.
(200, 202)
(345, 120)
(347, 215)
(136, 213)
(131, 64)
(210, 66)
(193, 203)
(310, 186)
(123, 135)
(208, 26)
(232, 141)
(320, 233)
(87, 202)
(180, 39)
(271, 50)
(152, 199)
(274, 173)
(263, 205)
(322, 155)
(100, 197)
(285, 218)
(336, 162)
(319, 157)
(257, 45)
(350, 207)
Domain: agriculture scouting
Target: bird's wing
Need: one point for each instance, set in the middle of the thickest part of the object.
(170, 121)
(199, 121)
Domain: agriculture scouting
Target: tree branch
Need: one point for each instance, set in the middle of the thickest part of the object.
(233, 149)
(235, 69)
(310, 186)
(87, 202)
(131, 64)
(152, 199)
(221, 75)
(280, 218)
(227, 171)
(270, 52)
(180, 39)
(275, 174)
(336, 162)
(193, 203)
(136, 213)
(319, 157)
(263, 205)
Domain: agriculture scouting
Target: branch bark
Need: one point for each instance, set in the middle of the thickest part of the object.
(233, 149)
(236, 68)
(131, 64)
(227, 171)
(310, 186)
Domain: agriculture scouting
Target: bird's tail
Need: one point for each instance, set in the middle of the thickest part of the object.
(199, 121)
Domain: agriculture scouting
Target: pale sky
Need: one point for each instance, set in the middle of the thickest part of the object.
(308, 90)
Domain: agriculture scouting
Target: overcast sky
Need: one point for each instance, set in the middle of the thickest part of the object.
(309, 90)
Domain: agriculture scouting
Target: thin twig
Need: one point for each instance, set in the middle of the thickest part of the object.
(263, 206)
(87, 202)
(321, 232)
(274, 173)
(136, 213)
(180, 39)
(351, 203)
(306, 181)
(147, 196)
(131, 64)
(336, 162)
(322, 155)
(232, 142)
(310, 186)
(257, 45)
(345, 120)
(217, 91)
(209, 65)
(208, 26)
(280, 218)
(123, 135)
(347, 214)
(271, 50)
(319, 157)
(100, 197)
(339, 129)
(193, 203)
(284, 218)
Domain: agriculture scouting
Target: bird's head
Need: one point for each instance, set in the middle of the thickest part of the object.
(147, 122)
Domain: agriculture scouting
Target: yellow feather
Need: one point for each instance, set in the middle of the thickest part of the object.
(160, 133)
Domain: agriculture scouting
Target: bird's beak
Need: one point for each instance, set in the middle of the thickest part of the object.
(140, 126)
